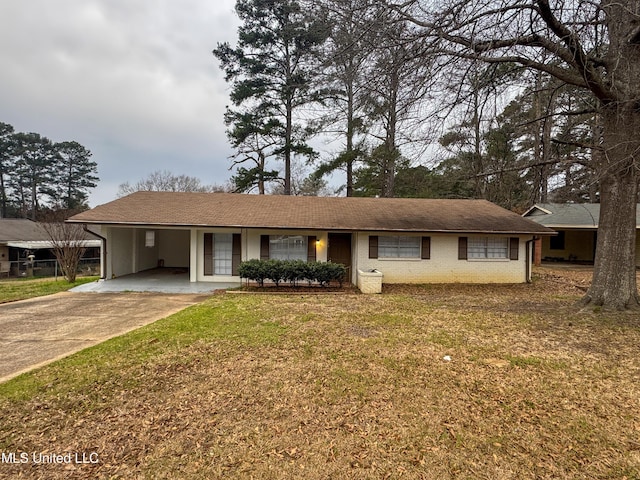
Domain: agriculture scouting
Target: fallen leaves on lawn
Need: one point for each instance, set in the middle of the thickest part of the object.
(357, 387)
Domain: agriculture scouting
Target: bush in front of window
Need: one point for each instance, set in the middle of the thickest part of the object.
(297, 271)
(292, 271)
(255, 270)
(276, 270)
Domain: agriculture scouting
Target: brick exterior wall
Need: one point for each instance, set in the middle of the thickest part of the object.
(126, 254)
(444, 266)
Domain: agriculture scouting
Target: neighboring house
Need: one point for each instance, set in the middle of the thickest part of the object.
(577, 227)
(21, 238)
(408, 240)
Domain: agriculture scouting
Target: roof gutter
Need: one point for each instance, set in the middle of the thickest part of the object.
(331, 228)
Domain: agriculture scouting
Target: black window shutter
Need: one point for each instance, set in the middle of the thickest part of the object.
(426, 248)
(373, 246)
(462, 248)
(514, 247)
(236, 253)
(208, 253)
(311, 248)
(264, 247)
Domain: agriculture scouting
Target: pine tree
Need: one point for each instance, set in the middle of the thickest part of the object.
(271, 72)
(6, 146)
(75, 175)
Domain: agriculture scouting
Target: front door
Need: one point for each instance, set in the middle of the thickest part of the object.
(339, 250)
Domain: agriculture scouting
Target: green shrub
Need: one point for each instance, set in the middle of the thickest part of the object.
(324, 273)
(255, 270)
(296, 271)
(276, 270)
(292, 271)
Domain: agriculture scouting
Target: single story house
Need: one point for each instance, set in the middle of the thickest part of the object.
(21, 238)
(409, 240)
(577, 227)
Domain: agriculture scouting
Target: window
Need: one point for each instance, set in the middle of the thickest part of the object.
(488, 247)
(222, 253)
(288, 247)
(398, 246)
(557, 241)
(149, 238)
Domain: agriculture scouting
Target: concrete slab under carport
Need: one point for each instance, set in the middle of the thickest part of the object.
(41, 330)
(161, 280)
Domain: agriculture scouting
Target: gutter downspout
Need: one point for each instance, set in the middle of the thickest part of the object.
(528, 254)
(103, 260)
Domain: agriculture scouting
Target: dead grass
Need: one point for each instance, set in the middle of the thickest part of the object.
(351, 386)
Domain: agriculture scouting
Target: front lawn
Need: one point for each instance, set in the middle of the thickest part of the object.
(21, 289)
(345, 386)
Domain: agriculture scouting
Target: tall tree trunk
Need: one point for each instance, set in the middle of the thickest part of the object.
(542, 137)
(537, 142)
(390, 149)
(350, 135)
(614, 277)
(547, 125)
(3, 197)
(287, 148)
(262, 164)
(478, 164)
(34, 196)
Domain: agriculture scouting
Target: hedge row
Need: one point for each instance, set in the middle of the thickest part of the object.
(292, 271)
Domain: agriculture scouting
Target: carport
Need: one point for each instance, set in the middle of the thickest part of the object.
(136, 249)
(163, 280)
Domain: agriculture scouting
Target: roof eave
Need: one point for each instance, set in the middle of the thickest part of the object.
(317, 227)
(537, 207)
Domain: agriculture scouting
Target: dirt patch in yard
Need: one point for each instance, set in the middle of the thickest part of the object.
(442, 381)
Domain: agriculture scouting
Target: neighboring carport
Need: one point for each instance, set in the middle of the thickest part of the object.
(38, 331)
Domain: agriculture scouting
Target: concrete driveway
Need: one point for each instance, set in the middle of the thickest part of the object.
(40, 330)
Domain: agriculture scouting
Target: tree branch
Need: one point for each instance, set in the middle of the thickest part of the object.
(582, 61)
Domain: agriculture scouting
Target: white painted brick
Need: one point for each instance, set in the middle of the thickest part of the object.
(370, 282)
(444, 266)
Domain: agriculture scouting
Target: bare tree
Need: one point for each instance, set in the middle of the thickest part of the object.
(68, 243)
(591, 45)
(165, 181)
(399, 82)
(345, 57)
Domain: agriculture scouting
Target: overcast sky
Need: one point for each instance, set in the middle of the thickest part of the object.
(134, 81)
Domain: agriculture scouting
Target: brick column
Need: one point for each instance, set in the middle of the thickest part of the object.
(537, 252)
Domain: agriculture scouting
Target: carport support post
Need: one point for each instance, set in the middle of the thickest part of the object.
(193, 256)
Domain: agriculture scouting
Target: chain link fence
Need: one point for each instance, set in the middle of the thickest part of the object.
(26, 268)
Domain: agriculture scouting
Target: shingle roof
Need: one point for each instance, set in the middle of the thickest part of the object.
(20, 229)
(317, 213)
(23, 233)
(568, 215)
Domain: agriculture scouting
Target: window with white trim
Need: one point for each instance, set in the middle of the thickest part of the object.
(222, 253)
(150, 238)
(288, 247)
(488, 247)
(398, 246)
